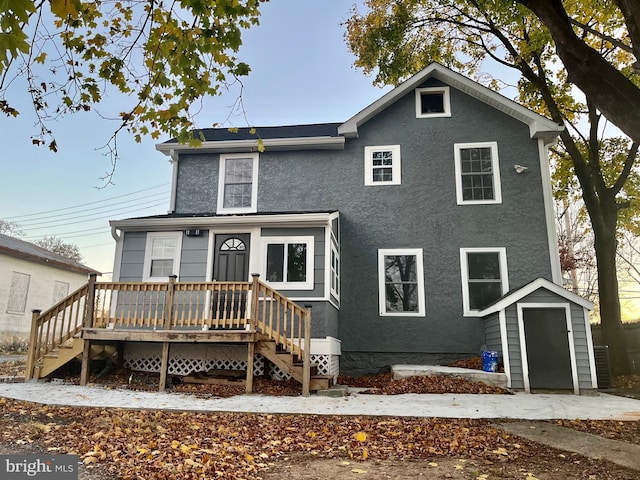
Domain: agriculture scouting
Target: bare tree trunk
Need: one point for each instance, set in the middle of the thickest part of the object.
(604, 230)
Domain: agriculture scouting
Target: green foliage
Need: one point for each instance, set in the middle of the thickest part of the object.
(163, 56)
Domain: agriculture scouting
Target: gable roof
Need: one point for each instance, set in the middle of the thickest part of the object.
(519, 293)
(539, 126)
(28, 251)
(331, 136)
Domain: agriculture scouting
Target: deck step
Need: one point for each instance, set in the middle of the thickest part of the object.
(51, 362)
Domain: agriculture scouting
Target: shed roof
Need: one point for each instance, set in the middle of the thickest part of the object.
(17, 248)
(517, 294)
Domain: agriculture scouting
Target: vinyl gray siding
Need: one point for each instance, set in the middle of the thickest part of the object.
(131, 267)
(493, 339)
(193, 259)
(513, 341)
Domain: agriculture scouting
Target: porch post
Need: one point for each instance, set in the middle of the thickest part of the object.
(306, 361)
(164, 366)
(33, 348)
(168, 302)
(88, 323)
(251, 350)
(168, 320)
(255, 298)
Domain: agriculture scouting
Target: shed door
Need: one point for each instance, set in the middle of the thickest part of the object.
(231, 261)
(547, 343)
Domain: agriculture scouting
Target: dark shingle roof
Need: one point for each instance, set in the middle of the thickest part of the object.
(19, 248)
(287, 131)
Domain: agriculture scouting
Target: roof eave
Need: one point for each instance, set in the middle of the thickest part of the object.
(79, 268)
(180, 223)
(222, 146)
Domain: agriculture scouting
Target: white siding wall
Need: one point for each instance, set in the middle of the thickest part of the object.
(42, 284)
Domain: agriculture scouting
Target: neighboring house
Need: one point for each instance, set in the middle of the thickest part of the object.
(405, 228)
(32, 278)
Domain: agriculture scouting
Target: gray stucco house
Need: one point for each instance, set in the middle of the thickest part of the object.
(409, 229)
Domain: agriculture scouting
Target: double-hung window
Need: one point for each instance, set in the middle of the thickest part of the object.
(401, 282)
(382, 165)
(162, 256)
(484, 277)
(477, 173)
(289, 262)
(238, 183)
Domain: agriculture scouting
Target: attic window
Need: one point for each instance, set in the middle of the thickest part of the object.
(432, 102)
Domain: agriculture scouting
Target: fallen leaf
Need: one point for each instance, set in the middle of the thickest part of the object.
(360, 436)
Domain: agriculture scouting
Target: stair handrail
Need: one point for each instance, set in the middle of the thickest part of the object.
(291, 329)
(58, 324)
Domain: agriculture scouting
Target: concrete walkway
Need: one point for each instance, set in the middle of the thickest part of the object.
(592, 446)
(519, 406)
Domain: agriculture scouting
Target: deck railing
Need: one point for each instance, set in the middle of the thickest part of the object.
(249, 306)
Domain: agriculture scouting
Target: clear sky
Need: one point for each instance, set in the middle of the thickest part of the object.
(301, 73)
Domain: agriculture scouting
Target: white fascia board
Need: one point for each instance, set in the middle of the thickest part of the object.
(296, 143)
(145, 224)
(532, 287)
(539, 126)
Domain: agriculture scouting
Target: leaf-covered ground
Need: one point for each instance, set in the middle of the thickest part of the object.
(134, 444)
(118, 443)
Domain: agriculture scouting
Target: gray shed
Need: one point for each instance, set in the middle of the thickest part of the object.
(542, 334)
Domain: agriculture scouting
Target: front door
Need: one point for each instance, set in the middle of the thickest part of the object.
(547, 343)
(231, 260)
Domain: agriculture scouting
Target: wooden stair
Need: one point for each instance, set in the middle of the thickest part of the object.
(292, 365)
(66, 352)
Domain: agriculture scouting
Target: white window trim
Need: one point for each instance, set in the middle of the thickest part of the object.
(495, 167)
(254, 184)
(309, 241)
(382, 300)
(464, 269)
(445, 101)
(146, 274)
(334, 291)
(395, 165)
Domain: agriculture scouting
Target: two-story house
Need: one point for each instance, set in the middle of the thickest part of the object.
(420, 231)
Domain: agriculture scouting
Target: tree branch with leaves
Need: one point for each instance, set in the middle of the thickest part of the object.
(162, 56)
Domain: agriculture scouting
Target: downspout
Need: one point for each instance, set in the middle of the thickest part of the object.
(552, 234)
(174, 180)
(117, 258)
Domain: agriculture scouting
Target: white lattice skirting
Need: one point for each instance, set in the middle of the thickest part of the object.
(185, 359)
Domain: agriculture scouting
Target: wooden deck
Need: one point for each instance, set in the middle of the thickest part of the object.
(250, 313)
